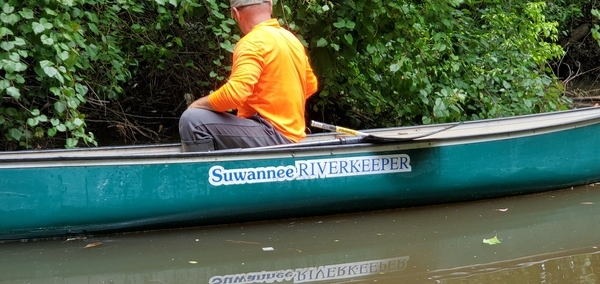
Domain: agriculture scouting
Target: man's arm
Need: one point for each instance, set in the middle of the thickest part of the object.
(202, 103)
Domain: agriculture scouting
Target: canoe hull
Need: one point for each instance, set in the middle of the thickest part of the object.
(58, 197)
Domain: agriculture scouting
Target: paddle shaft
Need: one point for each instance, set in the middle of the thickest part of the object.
(366, 137)
(331, 127)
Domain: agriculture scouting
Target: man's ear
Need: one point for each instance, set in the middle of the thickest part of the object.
(235, 14)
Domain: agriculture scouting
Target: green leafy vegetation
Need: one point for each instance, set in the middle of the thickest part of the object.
(387, 63)
(126, 68)
(56, 56)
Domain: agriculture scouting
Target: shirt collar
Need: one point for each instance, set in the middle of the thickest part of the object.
(268, 23)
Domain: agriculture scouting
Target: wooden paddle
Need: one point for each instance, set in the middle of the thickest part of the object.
(367, 137)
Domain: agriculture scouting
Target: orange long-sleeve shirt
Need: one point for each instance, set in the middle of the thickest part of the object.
(271, 76)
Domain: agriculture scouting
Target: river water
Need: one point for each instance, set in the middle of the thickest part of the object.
(552, 237)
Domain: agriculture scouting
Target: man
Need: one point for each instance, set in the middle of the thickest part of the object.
(270, 81)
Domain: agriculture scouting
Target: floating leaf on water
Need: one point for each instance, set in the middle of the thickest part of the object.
(502, 209)
(74, 239)
(587, 203)
(268, 249)
(492, 241)
(192, 261)
(94, 244)
(242, 242)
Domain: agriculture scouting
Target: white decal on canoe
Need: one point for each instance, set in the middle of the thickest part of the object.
(312, 169)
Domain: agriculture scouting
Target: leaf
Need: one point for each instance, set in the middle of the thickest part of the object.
(26, 13)
(7, 45)
(72, 103)
(341, 23)
(93, 28)
(227, 45)
(51, 132)
(14, 57)
(349, 38)
(55, 91)
(15, 134)
(32, 122)
(81, 89)
(78, 122)
(243, 242)
(321, 42)
(37, 27)
(51, 71)
(61, 128)
(46, 40)
(9, 66)
(4, 84)
(7, 8)
(72, 143)
(46, 63)
(492, 241)
(13, 92)
(4, 31)
(60, 107)
(10, 19)
(94, 244)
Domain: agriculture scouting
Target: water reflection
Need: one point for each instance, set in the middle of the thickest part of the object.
(545, 238)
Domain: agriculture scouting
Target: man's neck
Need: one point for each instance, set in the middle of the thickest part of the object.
(255, 20)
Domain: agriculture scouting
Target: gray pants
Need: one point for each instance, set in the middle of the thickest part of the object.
(204, 130)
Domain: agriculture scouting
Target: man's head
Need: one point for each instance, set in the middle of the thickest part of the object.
(249, 13)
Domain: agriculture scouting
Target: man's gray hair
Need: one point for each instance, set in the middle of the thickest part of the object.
(241, 3)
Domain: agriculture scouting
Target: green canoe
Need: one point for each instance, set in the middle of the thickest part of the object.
(108, 189)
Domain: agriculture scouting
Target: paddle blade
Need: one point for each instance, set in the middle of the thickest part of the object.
(337, 128)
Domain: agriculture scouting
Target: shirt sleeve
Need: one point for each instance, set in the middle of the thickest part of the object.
(247, 67)
(311, 82)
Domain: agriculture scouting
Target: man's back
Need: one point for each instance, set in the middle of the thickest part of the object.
(270, 76)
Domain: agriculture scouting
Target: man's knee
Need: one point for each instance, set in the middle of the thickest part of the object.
(191, 116)
(191, 129)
